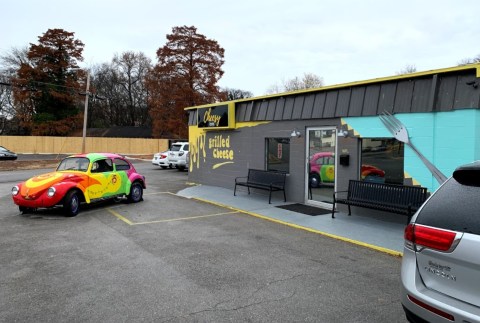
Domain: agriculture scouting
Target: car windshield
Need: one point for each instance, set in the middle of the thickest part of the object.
(74, 163)
(3, 149)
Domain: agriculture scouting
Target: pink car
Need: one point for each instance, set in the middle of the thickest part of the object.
(322, 170)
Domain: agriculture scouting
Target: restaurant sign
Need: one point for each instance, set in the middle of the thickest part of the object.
(216, 117)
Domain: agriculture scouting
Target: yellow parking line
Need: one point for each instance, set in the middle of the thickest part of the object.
(155, 193)
(127, 221)
(326, 234)
(124, 219)
(186, 218)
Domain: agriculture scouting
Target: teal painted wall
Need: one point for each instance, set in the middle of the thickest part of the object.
(446, 139)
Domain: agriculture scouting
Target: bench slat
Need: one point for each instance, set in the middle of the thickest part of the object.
(393, 198)
(272, 181)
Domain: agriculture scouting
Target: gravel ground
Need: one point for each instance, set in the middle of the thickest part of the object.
(9, 165)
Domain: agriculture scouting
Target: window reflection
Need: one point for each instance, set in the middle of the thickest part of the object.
(382, 160)
(278, 154)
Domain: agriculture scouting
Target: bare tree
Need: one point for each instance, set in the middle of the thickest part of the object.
(123, 82)
(308, 81)
(237, 94)
(467, 61)
(10, 63)
(408, 69)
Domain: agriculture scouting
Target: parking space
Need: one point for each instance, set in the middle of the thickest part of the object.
(162, 207)
(171, 258)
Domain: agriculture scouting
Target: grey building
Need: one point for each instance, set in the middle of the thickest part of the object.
(326, 136)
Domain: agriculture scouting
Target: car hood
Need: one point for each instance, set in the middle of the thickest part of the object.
(44, 181)
(7, 153)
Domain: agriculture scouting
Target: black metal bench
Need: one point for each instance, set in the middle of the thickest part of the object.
(263, 179)
(398, 199)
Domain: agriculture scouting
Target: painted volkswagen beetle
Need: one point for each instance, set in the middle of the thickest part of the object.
(322, 170)
(81, 178)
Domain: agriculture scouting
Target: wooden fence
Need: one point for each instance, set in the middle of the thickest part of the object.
(73, 145)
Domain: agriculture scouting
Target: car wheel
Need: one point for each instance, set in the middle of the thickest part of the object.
(24, 209)
(314, 180)
(136, 193)
(170, 166)
(71, 204)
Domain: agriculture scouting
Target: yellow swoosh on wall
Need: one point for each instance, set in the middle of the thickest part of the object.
(221, 164)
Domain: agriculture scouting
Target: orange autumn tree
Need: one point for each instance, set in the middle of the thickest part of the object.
(46, 87)
(186, 74)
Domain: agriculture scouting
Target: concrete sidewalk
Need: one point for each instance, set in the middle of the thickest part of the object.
(381, 233)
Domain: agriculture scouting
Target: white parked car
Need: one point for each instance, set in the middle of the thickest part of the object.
(178, 155)
(440, 264)
(162, 160)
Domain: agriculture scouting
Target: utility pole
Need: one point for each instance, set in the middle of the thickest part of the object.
(85, 113)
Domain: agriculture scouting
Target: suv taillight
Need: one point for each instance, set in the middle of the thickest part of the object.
(417, 235)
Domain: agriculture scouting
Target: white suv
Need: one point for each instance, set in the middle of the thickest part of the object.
(440, 264)
(178, 155)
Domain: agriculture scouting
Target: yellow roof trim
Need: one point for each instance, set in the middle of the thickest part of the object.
(475, 66)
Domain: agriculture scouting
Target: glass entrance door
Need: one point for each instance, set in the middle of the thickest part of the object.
(320, 166)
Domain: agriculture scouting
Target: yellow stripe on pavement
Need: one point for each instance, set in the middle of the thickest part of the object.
(296, 226)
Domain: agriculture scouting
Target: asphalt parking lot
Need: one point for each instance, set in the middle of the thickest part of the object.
(173, 259)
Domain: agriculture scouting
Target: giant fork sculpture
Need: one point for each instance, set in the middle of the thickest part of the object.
(399, 131)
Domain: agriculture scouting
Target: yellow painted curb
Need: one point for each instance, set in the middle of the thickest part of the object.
(296, 226)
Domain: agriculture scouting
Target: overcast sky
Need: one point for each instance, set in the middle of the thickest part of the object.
(265, 41)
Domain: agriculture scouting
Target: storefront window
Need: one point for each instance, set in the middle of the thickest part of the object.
(278, 154)
(382, 160)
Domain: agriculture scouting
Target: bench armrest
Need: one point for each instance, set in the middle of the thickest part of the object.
(242, 177)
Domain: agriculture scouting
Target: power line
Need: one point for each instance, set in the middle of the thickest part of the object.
(94, 96)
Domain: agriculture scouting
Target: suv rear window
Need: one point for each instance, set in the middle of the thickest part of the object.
(175, 147)
(453, 207)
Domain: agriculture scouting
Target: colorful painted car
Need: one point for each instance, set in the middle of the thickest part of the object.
(81, 178)
(322, 170)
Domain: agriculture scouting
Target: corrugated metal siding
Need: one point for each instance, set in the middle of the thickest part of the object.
(370, 103)
(421, 91)
(464, 96)
(279, 107)
(192, 117)
(271, 109)
(330, 104)
(446, 92)
(308, 106)
(357, 101)
(343, 102)
(403, 99)
(387, 97)
(319, 105)
(288, 109)
(298, 107)
(425, 93)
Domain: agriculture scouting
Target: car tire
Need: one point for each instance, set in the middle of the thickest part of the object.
(314, 180)
(24, 209)
(136, 193)
(71, 204)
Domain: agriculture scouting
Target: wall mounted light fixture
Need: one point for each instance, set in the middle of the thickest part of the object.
(342, 133)
(295, 133)
(474, 84)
